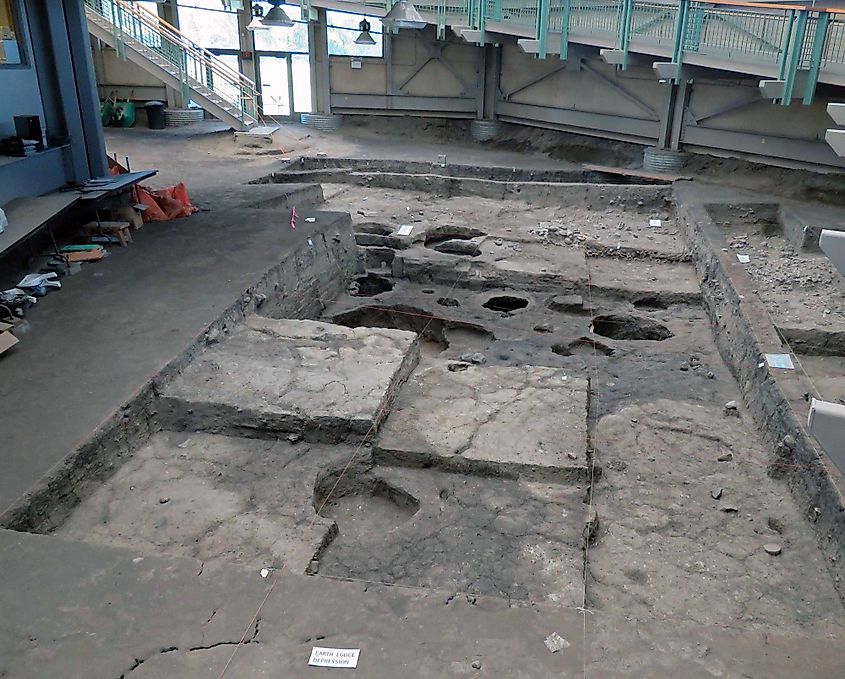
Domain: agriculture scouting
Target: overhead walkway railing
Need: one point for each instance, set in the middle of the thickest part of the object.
(193, 65)
(794, 46)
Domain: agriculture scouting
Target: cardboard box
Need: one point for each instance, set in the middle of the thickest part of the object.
(7, 340)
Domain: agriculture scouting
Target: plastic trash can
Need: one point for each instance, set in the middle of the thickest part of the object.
(155, 115)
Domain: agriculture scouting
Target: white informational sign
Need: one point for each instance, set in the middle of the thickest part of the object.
(655, 222)
(334, 657)
(405, 229)
(743, 259)
(780, 361)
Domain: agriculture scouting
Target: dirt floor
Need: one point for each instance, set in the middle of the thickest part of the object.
(567, 417)
(519, 399)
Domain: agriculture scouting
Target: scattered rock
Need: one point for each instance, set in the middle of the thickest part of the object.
(554, 642)
(476, 664)
(457, 367)
(293, 438)
(731, 408)
(785, 446)
(773, 548)
(212, 336)
(163, 500)
(710, 375)
(684, 367)
(476, 358)
(729, 509)
(572, 456)
(591, 526)
(725, 457)
(716, 493)
(775, 524)
(544, 327)
(566, 303)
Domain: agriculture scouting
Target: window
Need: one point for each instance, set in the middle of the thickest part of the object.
(342, 30)
(208, 24)
(277, 39)
(10, 37)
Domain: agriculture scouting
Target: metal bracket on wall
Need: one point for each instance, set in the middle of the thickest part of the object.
(639, 103)
(435, 53)
(534, 81)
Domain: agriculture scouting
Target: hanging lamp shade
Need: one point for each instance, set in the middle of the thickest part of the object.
(276, 17)
(365, 38)
(403, 15)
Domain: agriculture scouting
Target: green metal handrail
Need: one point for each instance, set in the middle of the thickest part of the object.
(133, 25)
(784, 40)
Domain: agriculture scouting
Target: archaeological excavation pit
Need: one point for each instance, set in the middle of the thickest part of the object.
(527, 418)
(466, 340)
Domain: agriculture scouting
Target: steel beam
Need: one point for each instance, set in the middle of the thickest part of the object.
(535, 80)
(613, 57)
(384, 102)
(728, 108)
(799, 152)
(554, 44)
(836, 141)
(601, 125)
(837, 112)
(826, 421)
(832, 243)
(639, 103)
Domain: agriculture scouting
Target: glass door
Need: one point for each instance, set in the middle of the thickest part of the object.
(276, 85)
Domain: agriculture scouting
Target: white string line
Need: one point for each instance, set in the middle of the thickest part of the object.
(370, 432)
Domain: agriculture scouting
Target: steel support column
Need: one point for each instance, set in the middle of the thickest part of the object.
(489, 93)
(680, 38)
(794, 61)
(625, 30)
(319, 58)
(819, 37)
(542, 26)
(566, 7)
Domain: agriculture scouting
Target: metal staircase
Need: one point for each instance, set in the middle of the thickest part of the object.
(161, 50)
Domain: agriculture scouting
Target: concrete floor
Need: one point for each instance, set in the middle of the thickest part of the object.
(119, 322)
(561, 459)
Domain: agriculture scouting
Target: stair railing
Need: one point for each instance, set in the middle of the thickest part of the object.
(196, 64)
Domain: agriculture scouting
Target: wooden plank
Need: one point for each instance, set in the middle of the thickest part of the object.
(637, 174)
(100, 189)
(83, 255)
(27, 215)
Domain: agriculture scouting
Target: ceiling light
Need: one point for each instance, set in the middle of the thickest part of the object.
(276, 17)
(403, 15)
(365, 38)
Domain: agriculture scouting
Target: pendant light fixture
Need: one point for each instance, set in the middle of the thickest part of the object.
(257, 17)
(276, 17)
(403, 15)
(365, 38)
